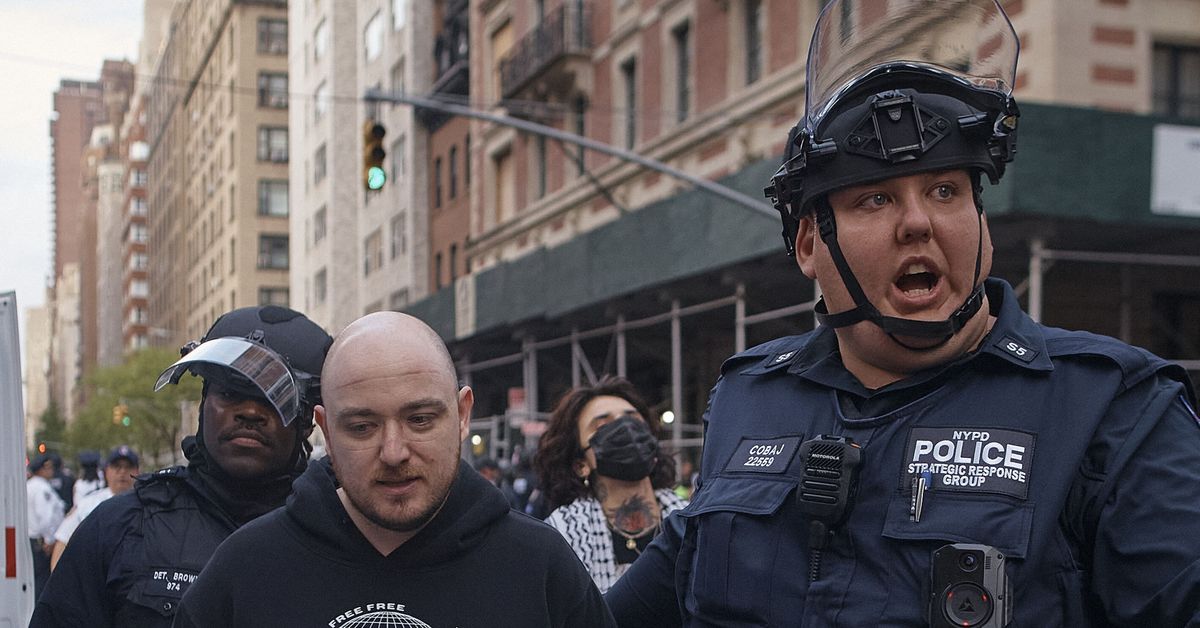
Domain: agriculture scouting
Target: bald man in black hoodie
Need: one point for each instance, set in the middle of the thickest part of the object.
(394, 528)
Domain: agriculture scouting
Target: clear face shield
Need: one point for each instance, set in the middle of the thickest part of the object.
(971, 41)
(265, 370)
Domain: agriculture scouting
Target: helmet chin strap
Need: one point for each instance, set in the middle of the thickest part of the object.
(863, 310)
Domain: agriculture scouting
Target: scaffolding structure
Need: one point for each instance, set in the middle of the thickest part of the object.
(686, 432)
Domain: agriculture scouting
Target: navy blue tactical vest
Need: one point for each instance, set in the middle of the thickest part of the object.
(1018, 443)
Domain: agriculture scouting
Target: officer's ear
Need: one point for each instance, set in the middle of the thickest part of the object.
(806, 244)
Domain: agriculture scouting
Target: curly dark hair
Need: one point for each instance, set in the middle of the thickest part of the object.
(559, 450)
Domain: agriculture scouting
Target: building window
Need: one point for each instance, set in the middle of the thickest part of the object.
(399, 236)
(397, 78)
(580, 130)
(138, 234)
(453, 262)
(1177, 333)
(399, 16)
(502, 41)
(273, 90)
(437, 182)
(629, 81)
(398, 300)
(397, 157)
(273, 252)
(373, 38)
(319, 225)
(754, 40)
(137, 206)
(683, 71)
(1177, 81)
(454, 171)
(320, 41)
(437, 271)
(319, 286)
(320, 102)
(273, 296)
(139, 288)
(272, 36)
(505, 193)
(137, 178)
(467, 161)
(273, 197)
(273, 144)
(372, 253)
(319, 165)
(139, 262)
(540, 155)
(139, 150)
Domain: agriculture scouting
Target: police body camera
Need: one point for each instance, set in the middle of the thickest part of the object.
(970, 588)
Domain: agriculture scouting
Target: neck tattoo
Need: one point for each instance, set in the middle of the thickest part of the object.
(632, 520)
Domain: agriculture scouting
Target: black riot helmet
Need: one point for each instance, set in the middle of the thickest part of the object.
(267, 351)
(921, 87)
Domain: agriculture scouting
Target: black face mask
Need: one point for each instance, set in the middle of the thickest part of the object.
(625, 449)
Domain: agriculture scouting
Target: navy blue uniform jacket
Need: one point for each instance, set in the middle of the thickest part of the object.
(1075, 455)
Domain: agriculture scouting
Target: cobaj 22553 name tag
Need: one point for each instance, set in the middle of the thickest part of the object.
(763, 455)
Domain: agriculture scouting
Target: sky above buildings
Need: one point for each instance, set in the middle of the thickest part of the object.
(41, 43)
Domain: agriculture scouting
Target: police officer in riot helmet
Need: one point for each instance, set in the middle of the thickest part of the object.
(929, 455)
(133, 558)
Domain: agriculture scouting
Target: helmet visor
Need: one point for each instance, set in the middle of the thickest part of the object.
(264, 368)
(968, 40)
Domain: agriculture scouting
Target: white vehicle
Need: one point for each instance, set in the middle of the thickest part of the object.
(16, 563)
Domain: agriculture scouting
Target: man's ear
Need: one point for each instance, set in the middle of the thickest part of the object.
(319, 418)
(806, 243)
(466, 401)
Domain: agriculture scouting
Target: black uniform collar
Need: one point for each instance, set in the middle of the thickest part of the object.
(1015, 338)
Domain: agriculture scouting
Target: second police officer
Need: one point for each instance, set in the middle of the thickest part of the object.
(929, 456)
(130, 562)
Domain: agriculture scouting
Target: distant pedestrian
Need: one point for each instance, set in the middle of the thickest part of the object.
(45, 512)
(89, 480)
(63, 480)
(119, 472)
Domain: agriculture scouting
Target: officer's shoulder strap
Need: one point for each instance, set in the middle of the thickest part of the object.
(774, 353)
(1136, 364)
(161, 487)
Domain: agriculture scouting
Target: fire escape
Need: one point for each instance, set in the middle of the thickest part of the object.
(451, 50)
(552, 61)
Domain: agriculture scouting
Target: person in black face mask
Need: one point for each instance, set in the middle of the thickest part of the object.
(606, 475)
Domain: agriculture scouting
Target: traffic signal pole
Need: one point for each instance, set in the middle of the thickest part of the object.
(729, 194)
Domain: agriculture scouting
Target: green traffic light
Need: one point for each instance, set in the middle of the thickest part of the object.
(376, 177)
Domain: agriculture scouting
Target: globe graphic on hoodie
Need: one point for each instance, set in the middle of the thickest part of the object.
(385, 619)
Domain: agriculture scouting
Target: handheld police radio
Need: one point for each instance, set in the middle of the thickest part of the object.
(970, 587)
(827, 489)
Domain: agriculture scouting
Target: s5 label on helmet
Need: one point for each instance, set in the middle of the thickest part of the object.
(970, 459)
(759, 455)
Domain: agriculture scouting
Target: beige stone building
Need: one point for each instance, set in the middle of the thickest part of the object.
(217, 196)
(36, 364)
(354, 251)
